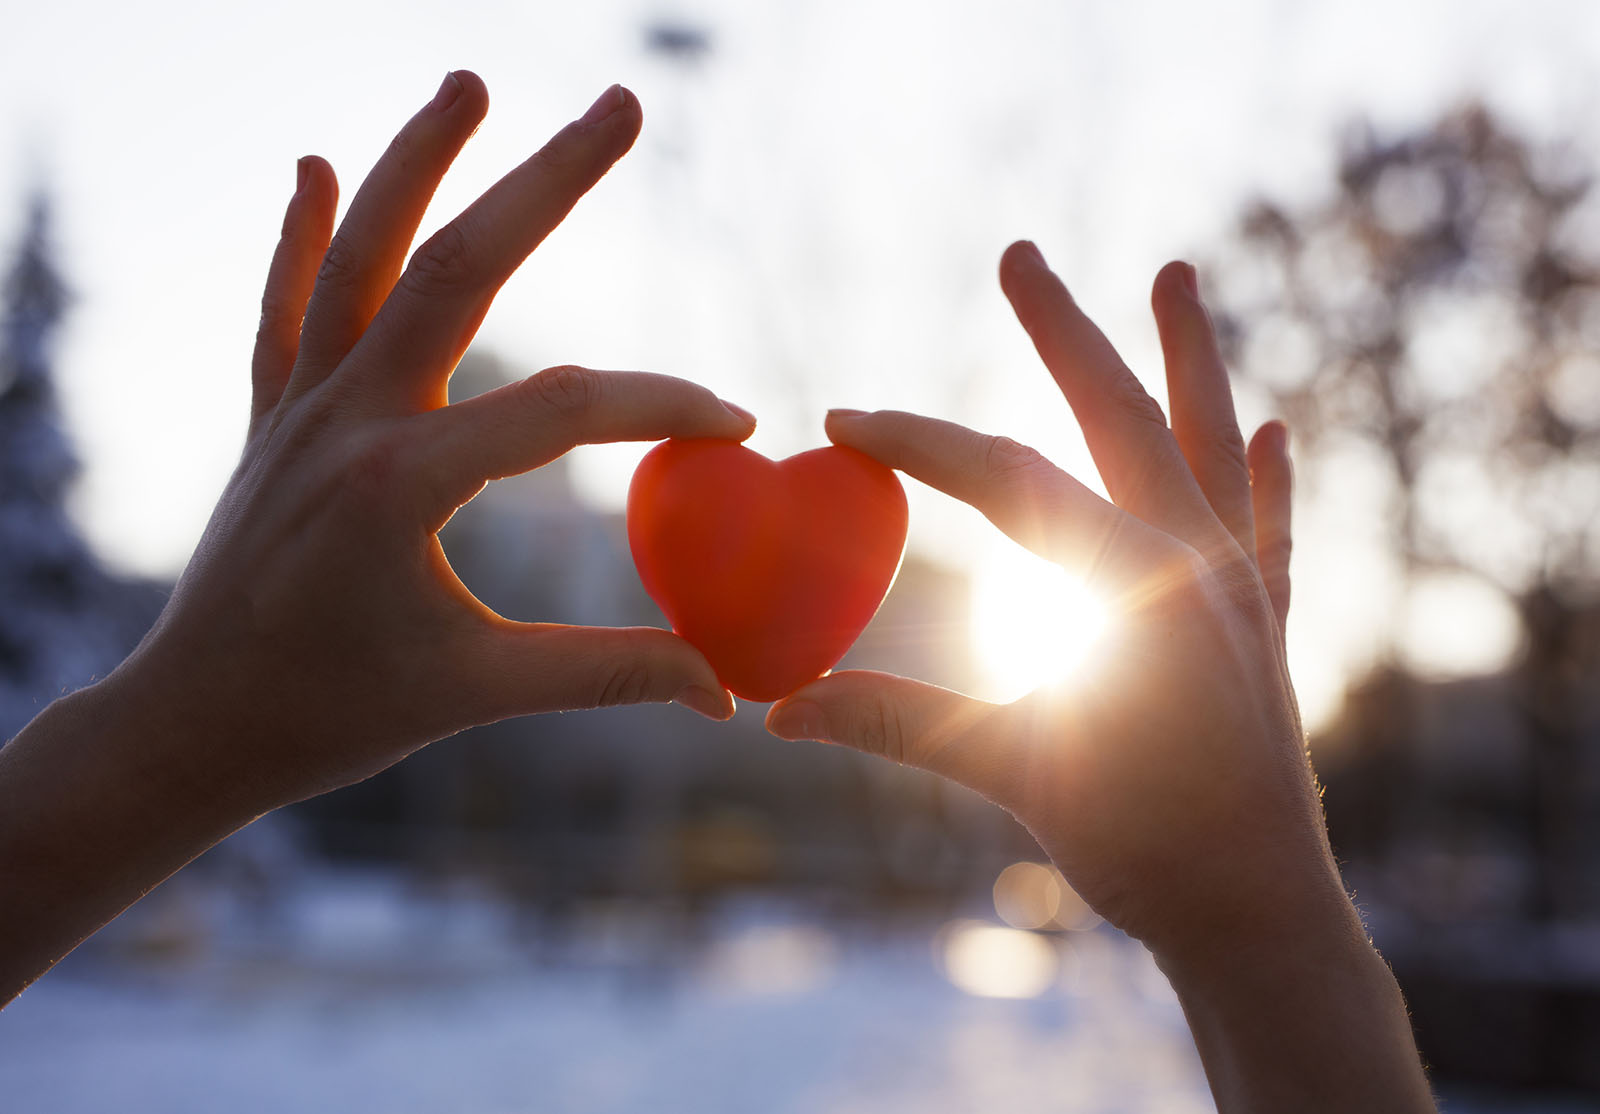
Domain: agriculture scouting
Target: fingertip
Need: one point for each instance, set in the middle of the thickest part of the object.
(793, 719)
(1176, 278)
(630, 102)
(315, 182)
(631, 116)
(842, 419)
(1022, 254)
(616, 110)
(1271, 438)
(744, 416)
(473, 102)
(840, 424)
(677, 671)
(310, 170)
(1018, 261)
(472, 86)
(714, 703)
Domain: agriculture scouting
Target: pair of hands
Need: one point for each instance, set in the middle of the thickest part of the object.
(319, 635)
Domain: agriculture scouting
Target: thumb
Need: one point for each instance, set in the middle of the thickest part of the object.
(546, 667)
(909, 722)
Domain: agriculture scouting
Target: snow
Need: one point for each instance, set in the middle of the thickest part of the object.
(359, 991)
(365, 995)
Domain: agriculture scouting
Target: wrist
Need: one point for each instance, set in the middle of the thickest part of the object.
(1300, 1016)
(1313, 923)
(1309, 1023)
(99, 801)
(171, 744)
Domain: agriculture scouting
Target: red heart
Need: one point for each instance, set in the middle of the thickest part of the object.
(770, 569)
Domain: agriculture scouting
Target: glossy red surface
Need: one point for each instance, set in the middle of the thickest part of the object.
(770, 568)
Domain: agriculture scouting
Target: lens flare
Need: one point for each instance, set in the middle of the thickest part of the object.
(1032, 623)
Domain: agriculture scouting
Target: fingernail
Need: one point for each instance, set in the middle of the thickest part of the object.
(739, 412)
(801, 720)
(302, 171)
(611, 100)
(1191, 280)
(707, 703)
(847, 413)
(449, 90)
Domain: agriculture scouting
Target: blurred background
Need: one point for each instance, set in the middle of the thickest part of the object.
(1393, 212)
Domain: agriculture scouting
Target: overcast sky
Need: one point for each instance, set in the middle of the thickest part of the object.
(812, 217)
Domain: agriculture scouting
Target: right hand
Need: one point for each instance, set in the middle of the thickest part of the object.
(1170, 785)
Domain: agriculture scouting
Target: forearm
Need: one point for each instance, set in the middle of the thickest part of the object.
(1311, 1024)
(98, 804)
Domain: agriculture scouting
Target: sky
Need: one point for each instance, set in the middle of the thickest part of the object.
(811, 218)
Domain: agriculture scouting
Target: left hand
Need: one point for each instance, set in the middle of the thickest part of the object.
(318, 634)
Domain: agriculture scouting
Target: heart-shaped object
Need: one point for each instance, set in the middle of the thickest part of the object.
(769, 568)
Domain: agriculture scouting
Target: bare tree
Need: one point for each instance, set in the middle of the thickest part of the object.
(1440, 311)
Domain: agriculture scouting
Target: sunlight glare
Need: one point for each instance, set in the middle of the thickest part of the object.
(1032, 623)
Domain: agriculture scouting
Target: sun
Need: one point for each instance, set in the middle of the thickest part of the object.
(1032, 623)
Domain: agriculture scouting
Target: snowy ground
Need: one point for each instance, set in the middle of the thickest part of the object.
(358, 994)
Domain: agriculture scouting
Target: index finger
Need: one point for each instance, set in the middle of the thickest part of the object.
(367, 251)
(1123, 426)
(1203, 419)
(447, 287)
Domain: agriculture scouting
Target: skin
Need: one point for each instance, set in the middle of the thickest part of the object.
(318, 634)
(1171, 785)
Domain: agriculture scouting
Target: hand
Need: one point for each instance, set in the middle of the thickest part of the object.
(1170, 785)
(318, 634)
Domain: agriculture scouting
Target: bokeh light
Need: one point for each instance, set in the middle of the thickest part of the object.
(1031, 895)
(992, 961)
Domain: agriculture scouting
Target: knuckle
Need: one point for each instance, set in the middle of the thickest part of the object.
(341, 264)
(627, 683)
(1184, 582)
(1130, 398)
(443, 263)
(1195, 569)
(567, 389)
(277, 314)
(880, 730)
(373, 470)
(1278, 549)
(1004, 459)
(1228, 455)
(402, 147)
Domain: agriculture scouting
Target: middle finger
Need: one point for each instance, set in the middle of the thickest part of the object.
(1126, 432)
(438, 303)
(1203, 419)
(366, 254)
